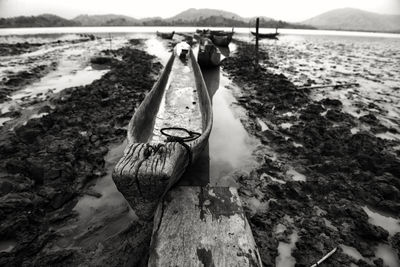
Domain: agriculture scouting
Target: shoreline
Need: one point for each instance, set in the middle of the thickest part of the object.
(4, 32)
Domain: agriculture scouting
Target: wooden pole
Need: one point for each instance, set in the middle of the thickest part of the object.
(109, 35)
(257, 26)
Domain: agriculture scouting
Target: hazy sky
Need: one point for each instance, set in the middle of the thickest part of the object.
(289, 10)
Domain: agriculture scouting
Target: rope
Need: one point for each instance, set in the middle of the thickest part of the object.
(181, 140)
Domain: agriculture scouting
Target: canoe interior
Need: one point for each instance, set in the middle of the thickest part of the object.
(180, 105)
(178, 99)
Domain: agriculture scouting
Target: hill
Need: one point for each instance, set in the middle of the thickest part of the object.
(106, 20)
(190, 17)
(45, 20)
(193, 14)
(355, 20)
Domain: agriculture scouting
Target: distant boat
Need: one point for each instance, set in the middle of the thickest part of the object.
(208, 55)
(221, 40)
(166, 35)
(266, 35)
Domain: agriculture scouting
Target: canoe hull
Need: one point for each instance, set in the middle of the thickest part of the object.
(222, 40)
(149, 169)
(266, 35)
(209, 55)
(166, 35)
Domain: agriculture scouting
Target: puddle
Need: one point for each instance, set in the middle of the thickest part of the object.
(73, 69)
(7, 246)
(280, 228)
(295, 175)
(354, 130)
(329, 224)
(264, 126)
(99, 217)
(388, 255)
(388, 136)
(265, 176)
(285, 258)
(4, 120)
(286, 125)
(352, 252)
(388, 223)
(297, 144)
(231, 147)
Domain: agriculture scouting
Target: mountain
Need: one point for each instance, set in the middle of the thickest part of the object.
(45, 20)
(190, 17)
(106, 20)
(355, 19)
(193, 14)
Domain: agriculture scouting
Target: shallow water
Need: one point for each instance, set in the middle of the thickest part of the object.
(295, 175)
(100, 217)
(388, 223)
(285, 258)
(7, 245)
(231, 147)
(388, 255)
(353, 252)
(73, 69)
(371, 61)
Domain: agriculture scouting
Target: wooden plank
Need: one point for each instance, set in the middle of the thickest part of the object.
(202, 226)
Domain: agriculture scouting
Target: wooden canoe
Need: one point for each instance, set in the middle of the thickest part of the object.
(266, 35)
(153, 163)
(221, 40)
(208, 55)
(166, 35)
(202, 226)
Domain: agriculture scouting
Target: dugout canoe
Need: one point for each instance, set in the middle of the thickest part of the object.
(165, 35)
(221, 40)
(208, 55)
(266, 35)
(168, 131)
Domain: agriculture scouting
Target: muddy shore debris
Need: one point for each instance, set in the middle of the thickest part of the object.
(49, 162)
(343, 171)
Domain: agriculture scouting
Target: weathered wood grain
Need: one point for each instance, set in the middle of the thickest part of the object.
(148, 170)
(202, 226)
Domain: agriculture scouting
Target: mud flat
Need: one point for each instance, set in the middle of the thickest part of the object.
(322, 174)
(49, 162)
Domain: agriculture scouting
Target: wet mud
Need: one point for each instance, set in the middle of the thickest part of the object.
(317, 173)
(49, 162)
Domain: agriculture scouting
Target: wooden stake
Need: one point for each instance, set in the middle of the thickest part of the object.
(324, 258)
(257, 26)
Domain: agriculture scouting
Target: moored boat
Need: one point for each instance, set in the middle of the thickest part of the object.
(266, 35)
(222, 40)
(208, 55)
(166, 134)
(166, 35)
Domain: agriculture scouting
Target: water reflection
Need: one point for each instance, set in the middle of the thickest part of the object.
(230, 148)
